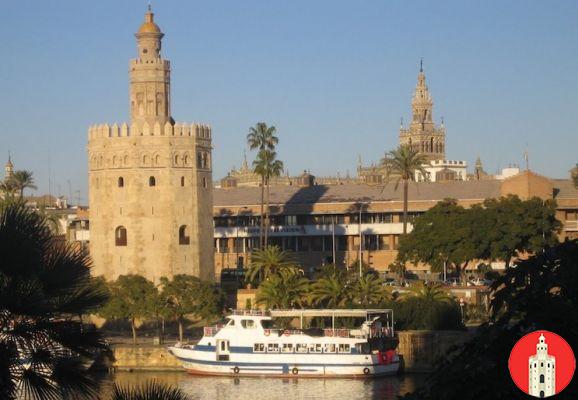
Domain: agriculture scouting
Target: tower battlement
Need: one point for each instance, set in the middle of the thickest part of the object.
(195, 130)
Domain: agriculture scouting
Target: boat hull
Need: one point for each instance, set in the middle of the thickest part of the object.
(313, 367)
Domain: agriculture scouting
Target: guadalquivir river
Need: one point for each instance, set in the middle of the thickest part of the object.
(252, 388)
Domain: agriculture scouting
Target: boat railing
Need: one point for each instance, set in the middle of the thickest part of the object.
(251, 313)
(358, 333)
(212, 330)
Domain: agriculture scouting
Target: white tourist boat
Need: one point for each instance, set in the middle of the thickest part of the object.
(248, 344)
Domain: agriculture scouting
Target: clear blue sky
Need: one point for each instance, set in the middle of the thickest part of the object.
(334, 77)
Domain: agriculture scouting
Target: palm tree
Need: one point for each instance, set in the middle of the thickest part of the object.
(8, 188)
(150, 390)
(429, 293)
(403, 163)
(285, 289)
(330, 292)
(262, 137)
(44, 286)
(268, 261)
(266, 165)
(23, 180)
(369, 290)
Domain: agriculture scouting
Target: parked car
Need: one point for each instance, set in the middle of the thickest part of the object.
(452, 282)
(480, 282)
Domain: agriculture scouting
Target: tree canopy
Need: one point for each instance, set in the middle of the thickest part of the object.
(268, 261)
(132, 297)
(402, 164)
(499, 229)
(187, 295)
(540, 293)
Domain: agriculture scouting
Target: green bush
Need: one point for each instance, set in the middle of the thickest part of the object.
(420, 314)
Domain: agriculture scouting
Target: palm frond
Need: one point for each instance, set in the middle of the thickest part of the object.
(150, 390)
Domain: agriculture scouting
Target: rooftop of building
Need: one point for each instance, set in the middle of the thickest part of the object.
(351, 193)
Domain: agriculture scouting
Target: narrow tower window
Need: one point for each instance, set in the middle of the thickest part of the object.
(152, 181)
(182, 181)
(120, 236)
(184, 235)
(120, 181)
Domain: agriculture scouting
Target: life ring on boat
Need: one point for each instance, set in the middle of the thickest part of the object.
(365, 371)
(267, 332)
(286, 333)
(295, 371)
(236, 370)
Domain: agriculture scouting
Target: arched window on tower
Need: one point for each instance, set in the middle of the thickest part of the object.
(431, 146)
(184, 235)
(120, 236)
(177, 159)
(182, 181)
(120, 181)
(152, 181)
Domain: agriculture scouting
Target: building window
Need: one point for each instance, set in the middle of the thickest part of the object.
(205, 185)
(120, 236)
(152, 181)
(542, 378)
(182, 181)
(184, 235)
(120, 181)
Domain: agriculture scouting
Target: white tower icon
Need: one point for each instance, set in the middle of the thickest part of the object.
(542, 371)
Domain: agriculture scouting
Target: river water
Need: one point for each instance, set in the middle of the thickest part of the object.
(249, 388)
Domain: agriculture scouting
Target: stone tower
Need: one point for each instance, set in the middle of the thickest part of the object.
(150, 181)
(8, 168)
(422, 133)
(542, 371)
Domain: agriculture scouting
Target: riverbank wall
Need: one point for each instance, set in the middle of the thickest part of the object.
(419, 349)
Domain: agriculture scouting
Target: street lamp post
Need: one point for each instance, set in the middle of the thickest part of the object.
(360, 241)
(333, 240)
(237, 239)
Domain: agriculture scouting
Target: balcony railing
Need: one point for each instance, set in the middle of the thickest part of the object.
(571, 226)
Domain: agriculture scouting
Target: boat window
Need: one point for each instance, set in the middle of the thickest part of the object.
(301, 348)
(267, 324)
(273, 347)
(329, 348)
(259, 347)
(248, 323)
(315, 348)
(344, 348)
(318, 348)
(231, 322)
(287, 348)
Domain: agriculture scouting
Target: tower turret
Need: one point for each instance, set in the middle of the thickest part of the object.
(149, 78)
